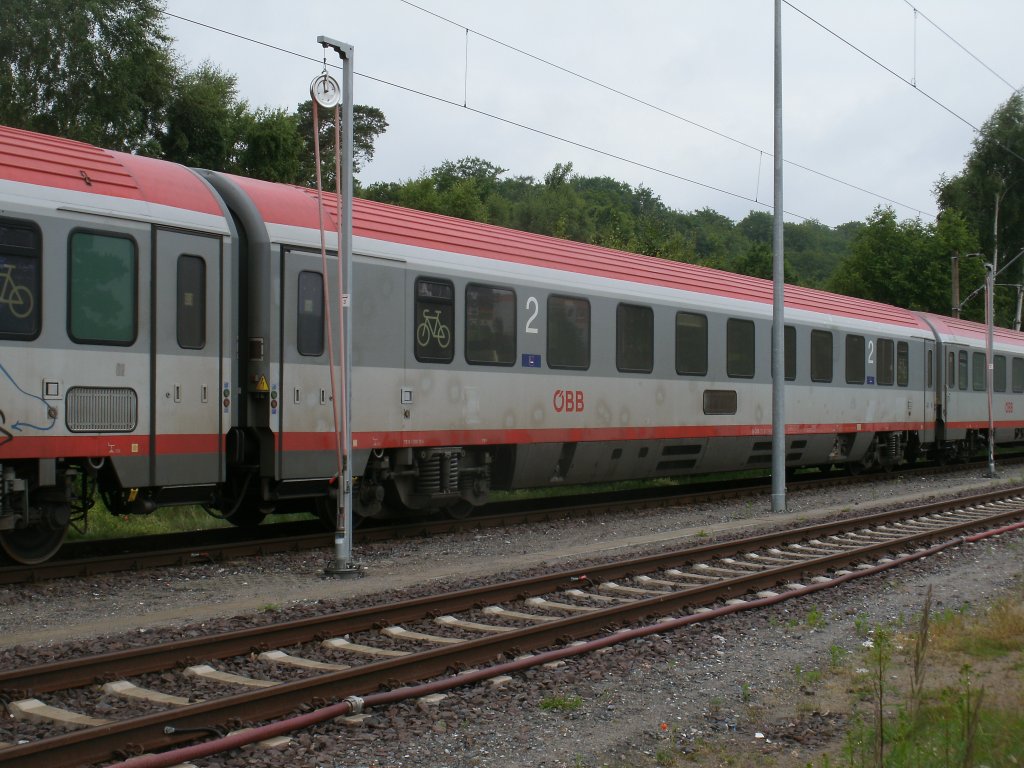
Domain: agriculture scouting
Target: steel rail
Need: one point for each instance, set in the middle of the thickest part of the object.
(122, 738)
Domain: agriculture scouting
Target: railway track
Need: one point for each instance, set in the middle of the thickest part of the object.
(88, 558)
(270, 672)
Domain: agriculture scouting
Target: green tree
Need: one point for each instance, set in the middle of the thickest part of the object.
(367, 124)
(993, 176)
(272, 148)
(204, 119)
(905, 263)
(95, 70)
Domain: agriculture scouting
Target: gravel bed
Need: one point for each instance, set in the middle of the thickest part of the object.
(730, 678)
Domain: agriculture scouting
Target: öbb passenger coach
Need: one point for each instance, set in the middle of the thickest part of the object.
(163, 341)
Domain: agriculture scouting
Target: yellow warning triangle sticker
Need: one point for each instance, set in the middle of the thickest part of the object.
(262, 386)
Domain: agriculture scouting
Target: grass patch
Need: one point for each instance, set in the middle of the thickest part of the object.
(561, 703)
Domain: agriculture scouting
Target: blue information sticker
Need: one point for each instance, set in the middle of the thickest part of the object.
(531, 361)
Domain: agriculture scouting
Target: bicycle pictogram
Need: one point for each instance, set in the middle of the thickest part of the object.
(433, 329)
(18, 298)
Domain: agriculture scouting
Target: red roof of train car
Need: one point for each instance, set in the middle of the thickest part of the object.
(50, 161)
(296, 206)
(954, 326)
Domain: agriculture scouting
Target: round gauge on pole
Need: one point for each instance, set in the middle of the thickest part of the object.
(325, 90)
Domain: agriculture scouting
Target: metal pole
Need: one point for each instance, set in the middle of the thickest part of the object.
(343, 565)
(989, 290)
(778, 297)
(954, 262)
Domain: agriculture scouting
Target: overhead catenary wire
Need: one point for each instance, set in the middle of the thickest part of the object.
(663, 110)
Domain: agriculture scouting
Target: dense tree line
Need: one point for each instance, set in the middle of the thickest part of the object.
(104, 71)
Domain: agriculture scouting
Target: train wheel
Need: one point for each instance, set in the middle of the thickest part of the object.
(327, 514)
(34, 544)
(246, 516)
(460, 510)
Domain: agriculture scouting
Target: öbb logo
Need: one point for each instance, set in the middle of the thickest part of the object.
(567, 401)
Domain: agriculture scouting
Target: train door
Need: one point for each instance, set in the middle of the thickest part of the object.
(930, 386)
(956, 383)
(188, 375)
(304, 408)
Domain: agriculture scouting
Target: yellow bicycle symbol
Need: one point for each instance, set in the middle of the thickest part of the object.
(433, 328)
(18, 298)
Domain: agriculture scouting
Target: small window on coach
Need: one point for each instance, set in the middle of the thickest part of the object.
(903, 364)
(191, 302)
(1017, 375)
(978, 382)
(855, 366)
(21, 250)
(739, 348)
(950, 370)
(102, 289)
(789, 352)
(886, 370)
(434, 321)
(821, 356)
(309, 321)
(634, 339)
(999, 373)
(490, 325)
(691, 344)
(962, 369)
(568, 333)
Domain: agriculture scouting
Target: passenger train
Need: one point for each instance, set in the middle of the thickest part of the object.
(164, 341)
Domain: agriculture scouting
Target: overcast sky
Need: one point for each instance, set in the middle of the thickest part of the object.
(708, 61)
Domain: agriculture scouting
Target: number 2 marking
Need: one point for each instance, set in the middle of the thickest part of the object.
(532, 302)
(871, 352)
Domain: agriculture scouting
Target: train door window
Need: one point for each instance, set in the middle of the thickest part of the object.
(789, 352)
(929, 375)
(20, 269)
(434, 321)
(855, 365)
(999, 373)
(739, 348)
(568, 333)
(978, 382)
(191, 312)
(886, 370)
(634, 339)
(962, 369)
(1017, 375)
(309, 326)
(490, 325)
(691, 344)
(902, 364)
(102, 289)
(950, 370)
(821, 356)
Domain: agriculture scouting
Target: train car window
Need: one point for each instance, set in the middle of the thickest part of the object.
(821, 356)
(739, 348)
(191, 312)
(1017, 375)
(719, 402)
(789, 352)
(568, 333)
(102, 289)
(999, 373)
(21, 250)
(950, 370)
(634, 339)
(962, 372)
(929, 375)
(902, 364)
(978, 382)
(309, 324)
(886, 370)
(691, 344)
(433, 321)
(490, 325)
(855, 366)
